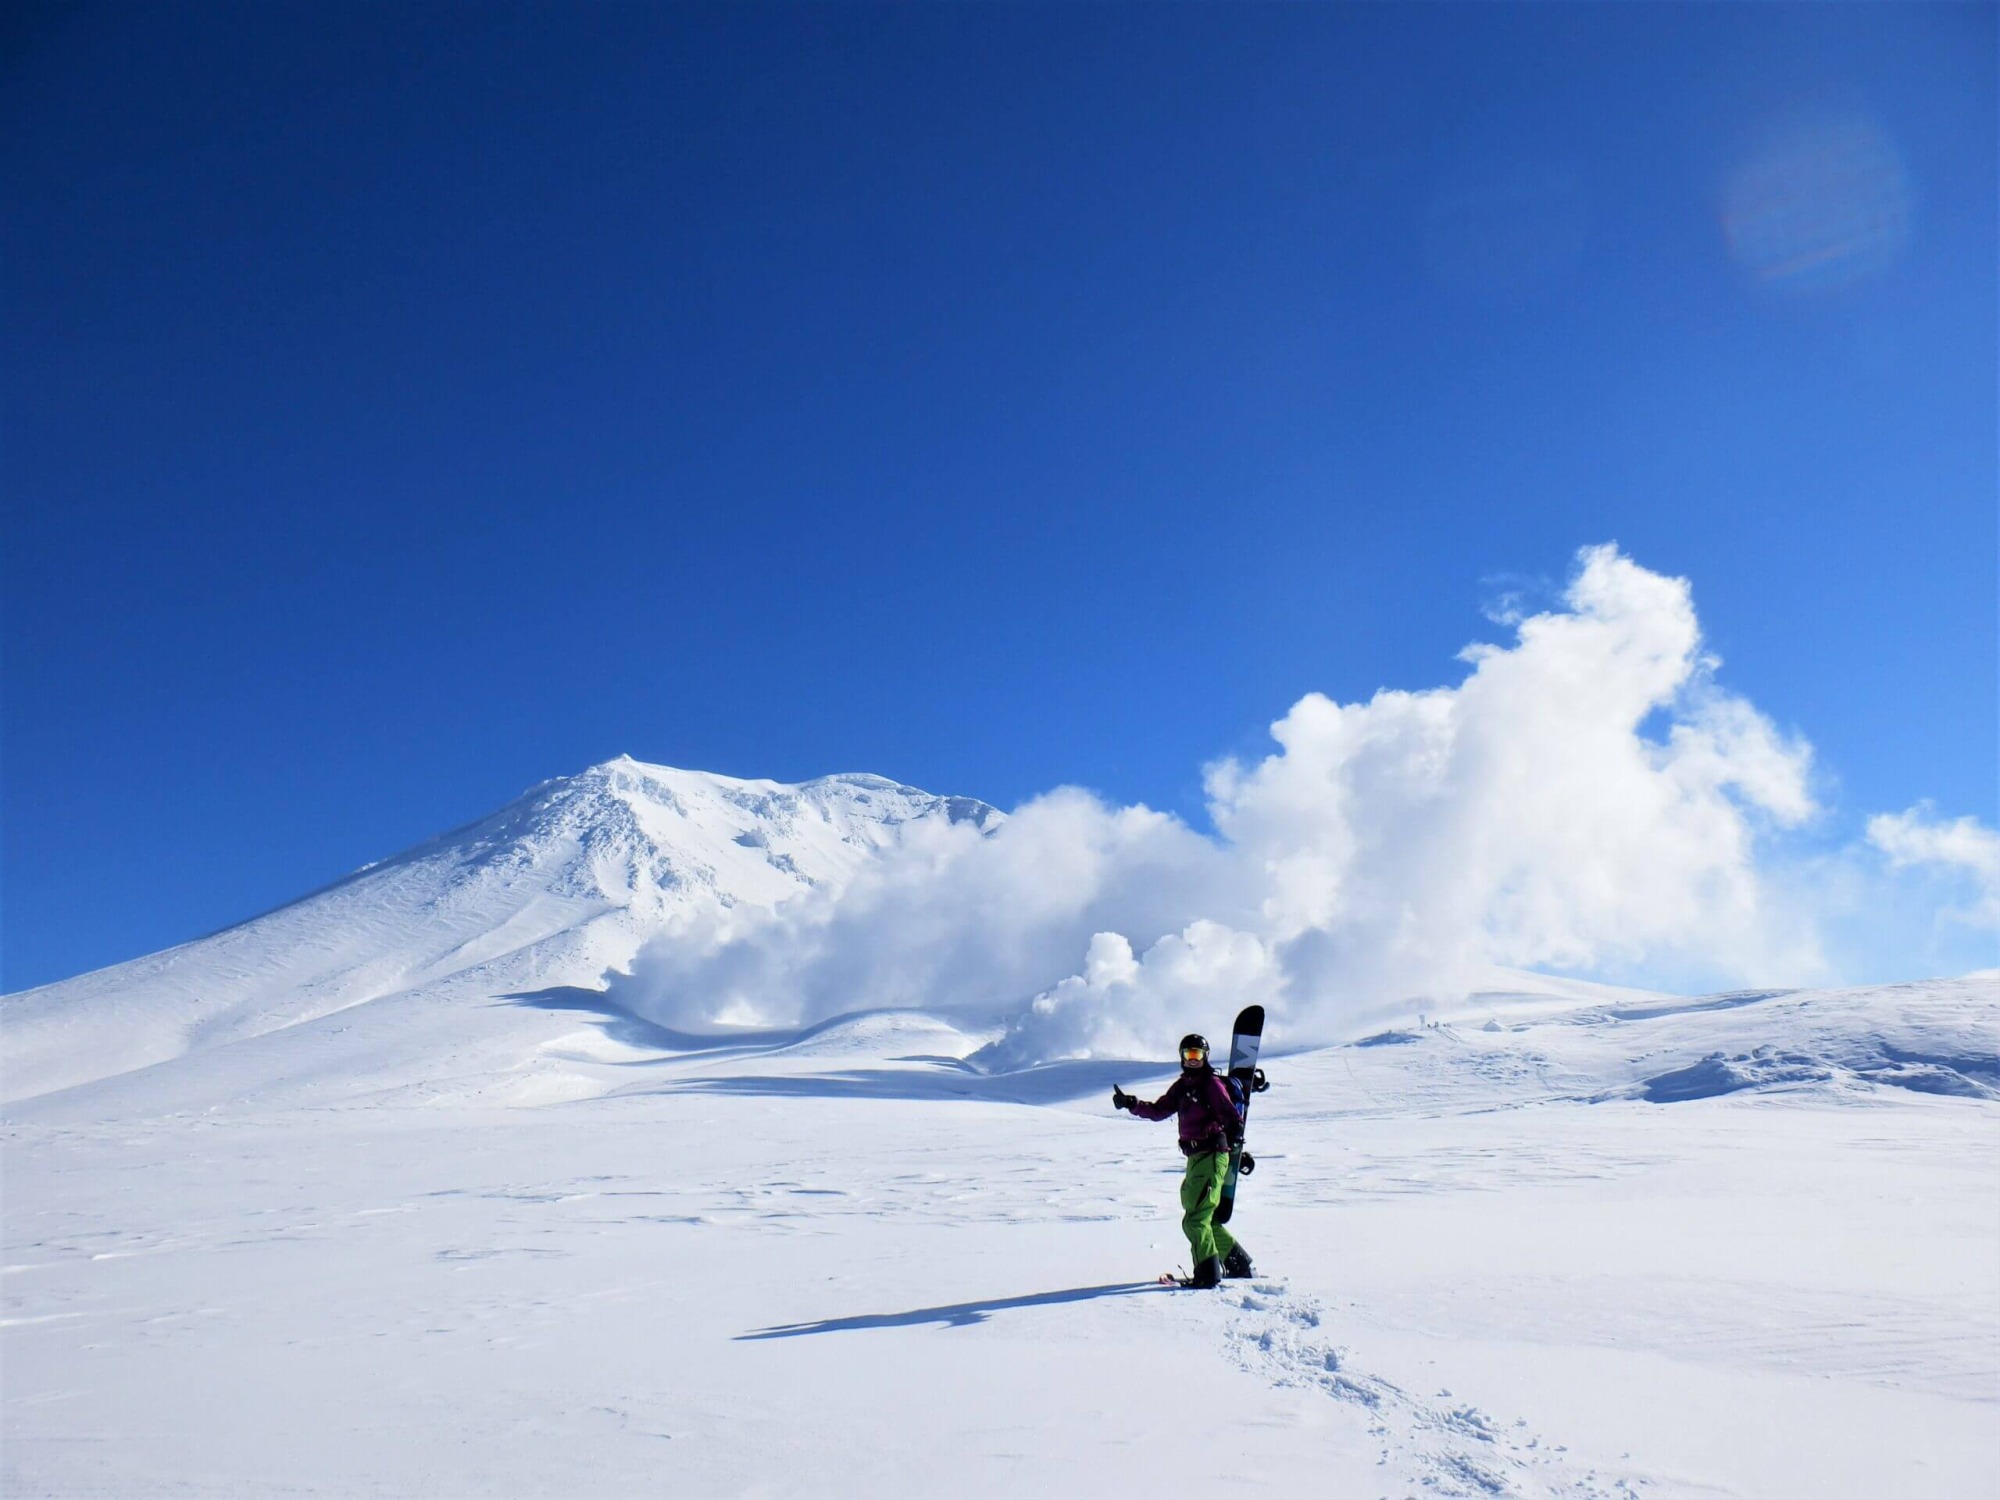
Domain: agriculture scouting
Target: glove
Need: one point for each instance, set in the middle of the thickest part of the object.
(1119, 1098)
(1246, 1163)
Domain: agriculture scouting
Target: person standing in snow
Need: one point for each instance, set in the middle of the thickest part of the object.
(1210, 1126)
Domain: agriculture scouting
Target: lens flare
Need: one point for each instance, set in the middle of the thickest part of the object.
(1820, 204)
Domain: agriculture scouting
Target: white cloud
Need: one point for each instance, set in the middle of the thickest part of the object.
(1587, 798)
(1916, 839)
(947, 918)
(1522, 817)
(1121, 1006)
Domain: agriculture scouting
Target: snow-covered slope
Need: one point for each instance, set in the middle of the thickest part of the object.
(552, 890)
(1745, 1245)
(390, 1161)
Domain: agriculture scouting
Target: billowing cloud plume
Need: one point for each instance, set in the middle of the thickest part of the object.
(947, 919)
(1586, 799)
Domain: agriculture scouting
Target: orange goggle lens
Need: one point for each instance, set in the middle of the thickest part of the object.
(1192, 1054)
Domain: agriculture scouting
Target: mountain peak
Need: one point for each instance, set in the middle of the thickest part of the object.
(558, 887)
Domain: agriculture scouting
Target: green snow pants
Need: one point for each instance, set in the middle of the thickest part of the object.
(1201, 1195)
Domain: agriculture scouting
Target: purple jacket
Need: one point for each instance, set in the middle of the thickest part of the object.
(1209, 1121)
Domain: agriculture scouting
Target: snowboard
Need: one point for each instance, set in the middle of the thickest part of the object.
(1245, 1079)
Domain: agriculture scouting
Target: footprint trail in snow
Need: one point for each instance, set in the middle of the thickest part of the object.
(1438, 1446)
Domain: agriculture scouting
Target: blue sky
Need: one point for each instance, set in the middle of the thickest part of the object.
(403, 405)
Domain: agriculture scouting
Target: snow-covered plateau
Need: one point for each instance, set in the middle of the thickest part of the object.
(386, 1193)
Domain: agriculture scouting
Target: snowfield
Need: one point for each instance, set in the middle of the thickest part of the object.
(382, 1194)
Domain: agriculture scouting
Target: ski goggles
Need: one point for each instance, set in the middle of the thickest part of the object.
(1192, 1055)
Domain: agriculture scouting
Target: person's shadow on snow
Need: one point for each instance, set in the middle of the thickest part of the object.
(957, 1315)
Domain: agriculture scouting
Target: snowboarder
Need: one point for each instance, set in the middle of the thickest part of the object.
(1210, 1127)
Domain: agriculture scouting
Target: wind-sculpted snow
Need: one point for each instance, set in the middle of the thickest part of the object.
(840, 1258)
(1936, 1037)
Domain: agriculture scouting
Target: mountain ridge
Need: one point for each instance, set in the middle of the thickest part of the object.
(556, 887)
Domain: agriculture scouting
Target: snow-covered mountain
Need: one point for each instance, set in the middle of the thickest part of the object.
(283, 1185)
(553, 890)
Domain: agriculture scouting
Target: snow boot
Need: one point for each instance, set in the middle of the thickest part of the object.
(1206, 1275)
(1236, 1264)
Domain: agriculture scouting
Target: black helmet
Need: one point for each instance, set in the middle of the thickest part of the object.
(1194, 1050)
